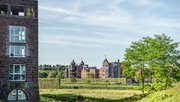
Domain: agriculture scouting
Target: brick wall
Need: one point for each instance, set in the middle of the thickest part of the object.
(30, 86)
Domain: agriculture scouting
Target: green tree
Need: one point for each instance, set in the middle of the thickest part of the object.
(59, 77)
(52, 74)
(152, 57)
(43, 74)
(90, 76)
(164, 59)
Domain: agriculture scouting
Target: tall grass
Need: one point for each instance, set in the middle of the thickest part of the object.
(169, 95)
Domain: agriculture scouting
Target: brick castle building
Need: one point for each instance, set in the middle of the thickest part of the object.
(19, 51)
(108, 70)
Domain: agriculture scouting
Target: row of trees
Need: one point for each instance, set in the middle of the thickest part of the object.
(49, 71)
(157, 58)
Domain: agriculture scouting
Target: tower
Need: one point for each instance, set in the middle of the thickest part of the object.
(72, 69)
(19, 51)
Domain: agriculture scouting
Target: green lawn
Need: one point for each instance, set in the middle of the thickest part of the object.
(1, 100)
(110, 94)
(89, 94)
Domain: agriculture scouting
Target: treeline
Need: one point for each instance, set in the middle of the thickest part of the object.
(51, 71)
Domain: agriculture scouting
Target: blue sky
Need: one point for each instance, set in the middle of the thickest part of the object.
(93, 29)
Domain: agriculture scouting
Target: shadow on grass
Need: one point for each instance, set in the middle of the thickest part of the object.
(79, 98)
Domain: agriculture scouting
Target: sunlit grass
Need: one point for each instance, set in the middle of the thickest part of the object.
(170, 95)
(107, 94)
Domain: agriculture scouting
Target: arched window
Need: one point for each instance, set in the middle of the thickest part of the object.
(17, 95)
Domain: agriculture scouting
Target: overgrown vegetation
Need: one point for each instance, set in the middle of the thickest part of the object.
(169, 95)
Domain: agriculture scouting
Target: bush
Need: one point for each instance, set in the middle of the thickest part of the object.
(73, 80)
(76, 87)
(158, 86)
(148, 88)
(43, 74)
(53, 74)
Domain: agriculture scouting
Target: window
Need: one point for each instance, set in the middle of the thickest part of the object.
(3, 9)
(17, 72)
(17, 10)
(17, 95)
(17, 51)
(17, 34)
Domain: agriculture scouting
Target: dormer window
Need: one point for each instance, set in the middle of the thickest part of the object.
(17, 10)
(3, 9)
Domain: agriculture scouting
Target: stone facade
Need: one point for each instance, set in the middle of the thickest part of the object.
(30, 85)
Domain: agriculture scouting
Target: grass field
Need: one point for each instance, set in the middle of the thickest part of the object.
(112, 90)
(170, 95)
(110, 94)
(97, 83)
(88, 94)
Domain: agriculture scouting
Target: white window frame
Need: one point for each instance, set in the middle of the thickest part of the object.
(21, 34)
(20, 73)
(12, 50)
(14, 95)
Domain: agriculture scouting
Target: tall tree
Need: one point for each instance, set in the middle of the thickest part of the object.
(153, 55)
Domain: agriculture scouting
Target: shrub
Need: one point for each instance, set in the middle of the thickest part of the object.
(43, 74)
(75, 87)
(158, 86)
(148, 88)
(73, 80)
(53, 74)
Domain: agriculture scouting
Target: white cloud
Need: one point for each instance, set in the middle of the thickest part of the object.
(54, 10)
(113, 17)
(83, 41)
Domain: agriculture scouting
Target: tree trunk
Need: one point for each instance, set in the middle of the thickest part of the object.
(59, 82)
(142, 81)
(166, 82)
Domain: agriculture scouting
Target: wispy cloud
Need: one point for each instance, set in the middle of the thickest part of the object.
(114, 18)
(105, 24)
(97, 41)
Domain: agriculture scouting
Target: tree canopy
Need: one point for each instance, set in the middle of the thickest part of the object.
(156, 57)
